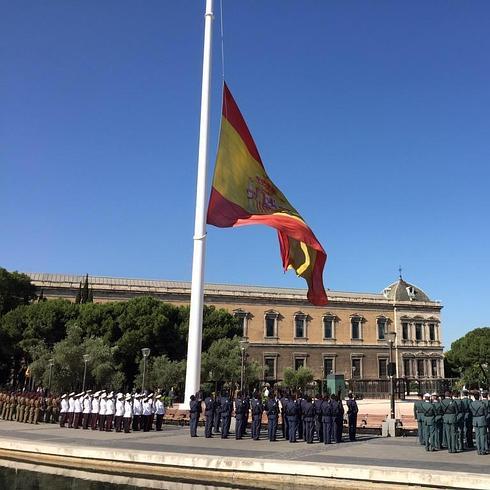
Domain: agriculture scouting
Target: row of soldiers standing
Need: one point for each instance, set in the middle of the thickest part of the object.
(448, 421)
(105, 411)
(29, 407)
(300, 417)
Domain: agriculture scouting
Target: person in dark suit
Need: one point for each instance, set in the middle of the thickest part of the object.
(209, 409)
(309, 419)
(327, 419)
(272, 409)
(292, 413)
(239, 415)
(479, 412)
(195, 411)
(338, 418)
(318, 417)
(226, 409)
(284, 399)
(217, 413)
(257, 409)
(352, 411)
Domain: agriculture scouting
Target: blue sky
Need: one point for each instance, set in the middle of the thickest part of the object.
(371, 116)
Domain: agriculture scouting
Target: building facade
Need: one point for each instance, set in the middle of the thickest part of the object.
(281, 329)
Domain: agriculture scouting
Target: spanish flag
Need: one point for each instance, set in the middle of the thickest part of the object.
(243, 194)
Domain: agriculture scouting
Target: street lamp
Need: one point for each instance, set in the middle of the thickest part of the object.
(146, 352)
(243, 347)
(50, 365)
(86, 358)
(390, 337)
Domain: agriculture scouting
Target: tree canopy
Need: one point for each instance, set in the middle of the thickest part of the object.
(15, 289)
(470, 357)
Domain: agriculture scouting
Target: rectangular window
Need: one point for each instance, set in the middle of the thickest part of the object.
(299, 362)
(270, 326)
(418, 331)
(327, 366)
(270, 367)
(432, 331)
(299, 327)
(420, 368)
(383, 368)
(381, 328)
(356, 328)
(433, 366)
(328, 328)
(406, 367)
(356, 368)
(405, 331)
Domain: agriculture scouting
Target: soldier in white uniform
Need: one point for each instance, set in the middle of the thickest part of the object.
(119, 412)
(146, 414)
(137, 409)
(87, 410)
(71, 409)
(63, 410)
(128, 412)
(78, 410)
(109, 412)
(95, 410)
(102, 406)
(160, 412)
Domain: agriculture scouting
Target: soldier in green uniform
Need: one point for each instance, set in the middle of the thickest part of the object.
(2, 401)
(36, 409)
(439, 426)
(450, 418)
(6, 409)
(20, 408)
(459, 422)
(13, 407)
(418, 415)
(479, 414)
(429, 423)
(487, 404)
(468, 420)
(28, 410)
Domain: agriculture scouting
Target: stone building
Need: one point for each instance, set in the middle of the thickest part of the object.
(281, 329)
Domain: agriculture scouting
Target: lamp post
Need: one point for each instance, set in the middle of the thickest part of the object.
(243, 347)
(86, 358)
(390, 337)
(50, 365)
(146, 352)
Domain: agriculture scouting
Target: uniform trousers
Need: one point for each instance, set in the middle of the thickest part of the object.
(352, 426)
(62, 419)
(136, 422)
(145, 422)
(217, 420)
(118, 423)
(93, 420)
(450, 432)
(101, 421)
(126, 424)
(420, 431)
(292, 423)
(85, 419)
(239, 425)
(159, 421)
(71, 416)
(108, 422)
(208, 425)
(194, 419)
(256, 421)
(469, 433)
(309, 429)
(272, 427)
(285, 426)
(319, 428)
(337, 429)
(77, 420)
(225, 425)
(327, 429)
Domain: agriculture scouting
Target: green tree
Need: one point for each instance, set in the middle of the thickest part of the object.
(470, 357)
(15, 289)
(297, 379)
(162, 374)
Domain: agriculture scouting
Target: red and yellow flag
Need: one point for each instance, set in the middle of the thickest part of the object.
(243, 194)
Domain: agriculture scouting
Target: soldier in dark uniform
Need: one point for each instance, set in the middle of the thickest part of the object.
(300, 400)
(239, 415)
(246, 410)
(430, 425)
(459, 422)
(309, 419)
(209, 409)
(217, 413)
(272, 409)
(292, 414)
(479, 413)
(257, 409)
(352, 411)
(418, 415)
(338, 418)
(318, 417)
(284, 399)
(226, 409)
(195, 411)
(327, 419)
(439, 427)
(449, 419)
(468, 420)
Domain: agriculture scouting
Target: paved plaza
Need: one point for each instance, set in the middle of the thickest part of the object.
(366, 452)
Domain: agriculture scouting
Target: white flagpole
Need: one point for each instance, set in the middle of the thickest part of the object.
(193, 373)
